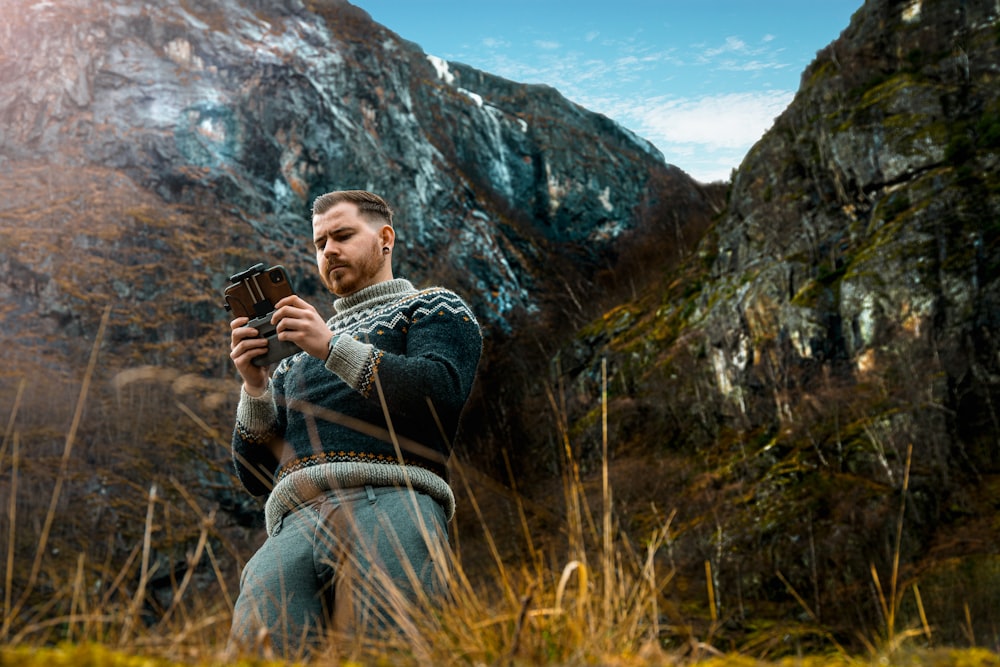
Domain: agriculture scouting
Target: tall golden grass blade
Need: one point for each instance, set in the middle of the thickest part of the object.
(923, 614)
(578, 514)
(515, 641)
(711, 593)
(649, 575)
(217, 438)
(795, 594)
(508, 587)
(43, 539)
(8, 615)
(115, 586)
(581, 600)
(11, 420)
(193, 560)
(607, 542)
(522, 516)
(219, 577)
(969, 629)
(140, 594)
(881, 599)
(899, 542)
(78, 599)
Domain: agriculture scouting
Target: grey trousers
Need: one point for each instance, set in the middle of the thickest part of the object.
(349, 561)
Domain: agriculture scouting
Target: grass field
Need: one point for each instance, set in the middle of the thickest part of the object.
(599, 598)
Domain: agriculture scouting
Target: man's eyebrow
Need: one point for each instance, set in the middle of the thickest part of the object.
(340, 229)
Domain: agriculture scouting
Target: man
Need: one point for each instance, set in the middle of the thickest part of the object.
(350, 438)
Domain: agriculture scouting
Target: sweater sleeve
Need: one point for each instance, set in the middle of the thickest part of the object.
(431, 382)
(257, 425)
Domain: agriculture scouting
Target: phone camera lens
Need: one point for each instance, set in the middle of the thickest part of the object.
(276, 277)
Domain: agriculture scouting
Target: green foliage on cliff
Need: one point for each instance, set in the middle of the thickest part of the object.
(821, 409)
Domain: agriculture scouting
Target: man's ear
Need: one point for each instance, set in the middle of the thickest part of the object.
(388, 236)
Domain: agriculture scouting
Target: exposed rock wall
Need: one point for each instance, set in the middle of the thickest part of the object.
(148, 150)
(245, 112)
(862, 232)
(823, 385)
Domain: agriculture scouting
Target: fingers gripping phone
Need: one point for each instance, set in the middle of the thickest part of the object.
(253, 294)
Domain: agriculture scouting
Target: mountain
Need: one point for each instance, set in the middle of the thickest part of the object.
(233, 116)
(801, 366)
(151, 150)
(816, 391)
(148, 151)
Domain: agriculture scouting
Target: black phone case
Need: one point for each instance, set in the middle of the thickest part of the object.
(253, 294)
(255, 291)
(276, 349)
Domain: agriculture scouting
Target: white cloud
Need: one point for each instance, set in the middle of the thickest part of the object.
(712, 134)
(748, 65)
(495, 43)
(727, 120)
(708, 136)
(732, 45)
(736, 55)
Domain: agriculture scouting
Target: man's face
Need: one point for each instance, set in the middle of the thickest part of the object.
(349, 250)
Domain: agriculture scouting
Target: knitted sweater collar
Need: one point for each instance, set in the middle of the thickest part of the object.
(373, 295)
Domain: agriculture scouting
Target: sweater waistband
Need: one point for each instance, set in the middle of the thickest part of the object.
(300, 486)
(357, 457)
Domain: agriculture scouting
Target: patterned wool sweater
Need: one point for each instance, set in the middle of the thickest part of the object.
(396, 352)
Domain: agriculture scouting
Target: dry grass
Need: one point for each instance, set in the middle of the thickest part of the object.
(595, 598)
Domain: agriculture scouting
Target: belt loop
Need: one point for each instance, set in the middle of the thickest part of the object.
(371, 493)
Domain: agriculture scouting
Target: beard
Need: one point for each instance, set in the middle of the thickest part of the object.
(349, 276)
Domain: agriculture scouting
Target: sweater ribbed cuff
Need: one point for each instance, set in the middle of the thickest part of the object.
(256, 414)
(348, 358)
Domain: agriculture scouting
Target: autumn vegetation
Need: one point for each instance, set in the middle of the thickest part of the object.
(105, 568)
(768, 437)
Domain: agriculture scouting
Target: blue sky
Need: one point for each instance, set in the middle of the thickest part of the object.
(701, 79)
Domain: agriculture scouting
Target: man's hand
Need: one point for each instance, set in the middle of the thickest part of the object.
(297, 321)
(245, 346)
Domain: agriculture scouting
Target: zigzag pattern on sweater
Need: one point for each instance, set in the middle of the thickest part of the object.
(390, 316)
(259, 439)
(371, 370)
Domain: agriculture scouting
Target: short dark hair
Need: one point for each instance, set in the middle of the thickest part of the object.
(371, 207)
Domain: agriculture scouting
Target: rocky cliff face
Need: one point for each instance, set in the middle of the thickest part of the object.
(814, 390)
(829, 364)
(860, 253)
(150, 150)
(235, 115)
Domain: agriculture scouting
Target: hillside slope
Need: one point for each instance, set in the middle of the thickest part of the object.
(150, 150)
(818, 391)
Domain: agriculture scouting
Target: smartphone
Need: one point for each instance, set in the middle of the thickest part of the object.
(253, 294)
